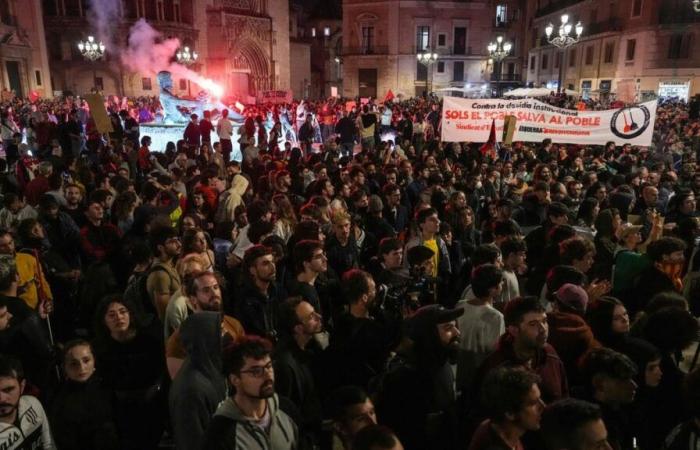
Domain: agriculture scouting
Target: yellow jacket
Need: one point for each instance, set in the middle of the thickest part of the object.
(30, 279)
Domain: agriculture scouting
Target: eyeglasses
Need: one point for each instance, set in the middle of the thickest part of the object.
(259, 371)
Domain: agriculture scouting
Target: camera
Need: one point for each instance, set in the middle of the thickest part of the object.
(405, 298)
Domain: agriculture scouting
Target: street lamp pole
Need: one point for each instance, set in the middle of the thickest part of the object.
(187, 58)
(696, 5)
(427, 59)
(563, 40)
(92, 51)
(498, 51)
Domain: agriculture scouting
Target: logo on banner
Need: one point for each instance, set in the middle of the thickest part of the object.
(630, 122)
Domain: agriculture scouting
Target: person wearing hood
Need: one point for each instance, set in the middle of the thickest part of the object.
(199, 386)
(623, 200)
(418, 399)
(606, 224)
(569, 333)
(251, 418)
(231, 198)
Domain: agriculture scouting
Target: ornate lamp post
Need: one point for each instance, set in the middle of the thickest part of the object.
(427, 58)
(563, 40)
(498, 51)
(92, 51)
(187, 58)
(696, 5)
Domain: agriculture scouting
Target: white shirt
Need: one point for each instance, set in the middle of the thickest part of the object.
(224, 129)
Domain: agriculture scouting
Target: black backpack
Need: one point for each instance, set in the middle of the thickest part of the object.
(136, 292)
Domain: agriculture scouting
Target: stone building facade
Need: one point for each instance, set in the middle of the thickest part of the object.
(633, 48)
(241, 44)
(381, 40)
(23, 58)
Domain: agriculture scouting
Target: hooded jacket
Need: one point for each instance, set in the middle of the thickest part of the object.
(199, 385)
(231, 430)
(605, 245)
(231, 198)
(571, 337)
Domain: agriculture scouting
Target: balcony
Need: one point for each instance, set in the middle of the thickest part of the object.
(506, 77)
(555, 6)
(501, 24)
(447, 51)
(366, 50)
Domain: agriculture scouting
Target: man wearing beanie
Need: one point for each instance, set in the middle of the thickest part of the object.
(569, 333)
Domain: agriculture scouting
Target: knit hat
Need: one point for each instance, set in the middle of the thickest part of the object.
(573, 297)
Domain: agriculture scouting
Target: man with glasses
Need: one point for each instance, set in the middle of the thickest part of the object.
(251, 417)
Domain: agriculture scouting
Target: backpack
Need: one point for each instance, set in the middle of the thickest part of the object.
(136, 292)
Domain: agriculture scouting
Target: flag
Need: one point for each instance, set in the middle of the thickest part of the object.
(490, 148)
(389, 96)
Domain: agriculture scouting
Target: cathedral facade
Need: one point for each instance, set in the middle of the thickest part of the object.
(241, 44)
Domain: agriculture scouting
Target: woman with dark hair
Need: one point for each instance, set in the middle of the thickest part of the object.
(81, 412)
(599, 192)
(196, 241)
(587, 213)
(131, 359)
(123, 210)
(188, 222)
(609, 321)
(643, 412)
(607, 225)
(681, 206)
(671, 330)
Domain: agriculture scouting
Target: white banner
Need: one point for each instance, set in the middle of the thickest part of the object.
(275, 97)
(468, 120)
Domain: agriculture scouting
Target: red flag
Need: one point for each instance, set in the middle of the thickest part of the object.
(489, 148)
(389, 96)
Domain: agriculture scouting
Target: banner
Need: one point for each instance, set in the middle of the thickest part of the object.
(276, 97)
(468, 120)
(99, 113)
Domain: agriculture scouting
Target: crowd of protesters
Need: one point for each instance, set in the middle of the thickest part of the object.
(363, 286)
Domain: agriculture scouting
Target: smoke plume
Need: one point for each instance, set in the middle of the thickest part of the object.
(104, 14)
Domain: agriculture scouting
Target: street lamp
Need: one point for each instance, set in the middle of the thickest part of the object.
(92, 51)
(498, 51)
(427, 58)
(696, 5)
(187, 58)
(563, 40)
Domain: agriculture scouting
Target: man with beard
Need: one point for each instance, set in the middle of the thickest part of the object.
(256, 306)
(524, 344)
(74, 204)
(417, 398)
(251, 417)
(363, 338)
(572, 424)
(163, 280)
(23, 422)
(294, 360)
(204, 292)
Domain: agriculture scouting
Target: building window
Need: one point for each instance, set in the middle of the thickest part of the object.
(679, 46)
(183, 84)
(629, 54)
(589, 55)
(422, 38)
(176, 11)
(146, 84)
(593, 18)
(37, 77)
(458, 71)
(572, 57)
(160, 10)
(501, 15)
(367, 39)
(326, 31)
(460, 41)
(636, 8)
(99, 83)
(609, 52)
(442, 39)
(545, 62)
(533, 62)
(557, 60)
(440, 67)
(535, 37)
(313, 32)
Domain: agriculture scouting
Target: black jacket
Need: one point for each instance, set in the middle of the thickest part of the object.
(256, 311)
(81, 416)
(199, 386)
